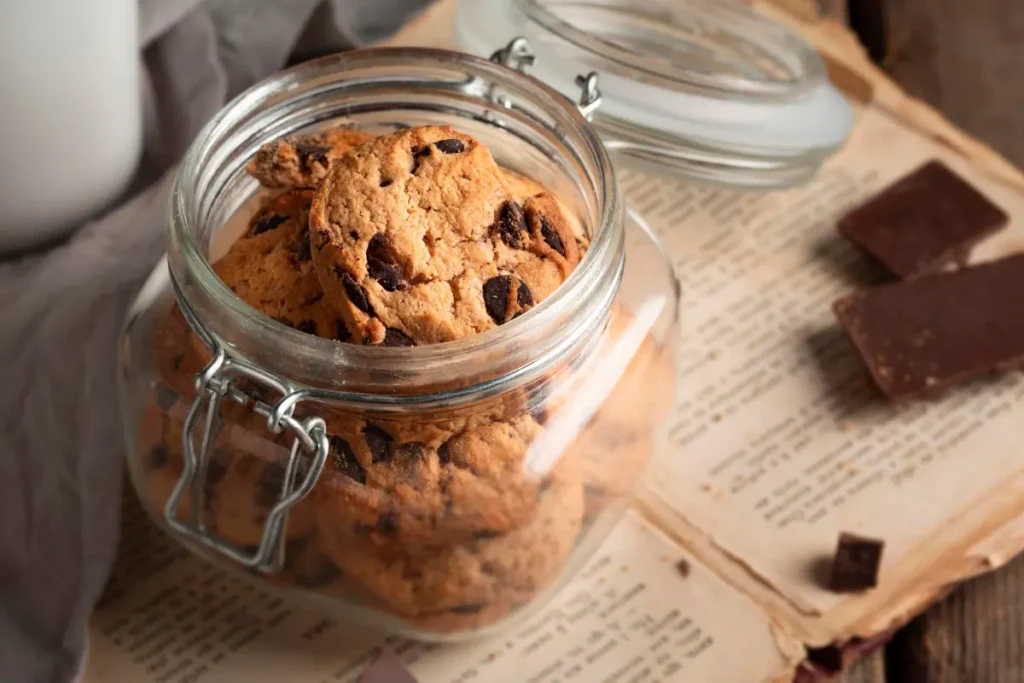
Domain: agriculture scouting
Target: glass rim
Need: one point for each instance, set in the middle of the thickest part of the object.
(191, 268)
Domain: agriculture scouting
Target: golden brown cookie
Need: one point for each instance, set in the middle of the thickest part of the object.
(302, 161)
(270, 268)
(417, 240)
(467, 578)
(420, 484)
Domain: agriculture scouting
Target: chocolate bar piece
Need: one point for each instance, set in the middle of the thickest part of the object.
(920, 337)
(856, 563)
(924, 222)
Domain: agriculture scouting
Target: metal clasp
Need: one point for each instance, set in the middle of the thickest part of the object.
(519, 55)
(215, 383)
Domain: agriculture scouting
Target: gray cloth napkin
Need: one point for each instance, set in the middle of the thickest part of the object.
(61, 446)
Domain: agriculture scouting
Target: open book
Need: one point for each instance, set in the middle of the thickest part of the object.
(778, 443)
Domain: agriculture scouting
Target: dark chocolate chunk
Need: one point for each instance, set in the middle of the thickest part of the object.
(302, 251)
(307, 326)
(345, 459)
(269, 485)
(468, 609)
(387, 525)
(341, 332)
(444, 455)
(157, 456)
(395, 338)
(216, 469)
(267, 222)
(485, 534)
(450, 146)
(523, 296)
(381, 265)
(925, 221)
(922, 336)
(165, 397)
(550, 236)
(309, 152)
(355, 293)
(410, 452)
(497, 291)
(511, 224)
(856, 563)
(380, 443)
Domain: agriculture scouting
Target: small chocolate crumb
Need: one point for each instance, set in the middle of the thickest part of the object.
(444, 455)
(157, 456)
(387, 525)
(484, 534)
(856, 563)
(384, 182)
(468, 609)
(683, 567)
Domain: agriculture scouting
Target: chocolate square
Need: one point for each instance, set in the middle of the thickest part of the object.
(856, 563)
(920, 337)
(923, 222)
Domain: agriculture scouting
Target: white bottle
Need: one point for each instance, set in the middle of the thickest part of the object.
(70, 114)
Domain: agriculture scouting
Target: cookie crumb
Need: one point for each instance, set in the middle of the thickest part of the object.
(683, 567)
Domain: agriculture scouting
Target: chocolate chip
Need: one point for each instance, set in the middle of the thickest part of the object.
(511, 224)
(342, 334)
(353, 234)
(326, 572)
(551, 236)
(856, 563)
(387, 525)
(485, 534)
(302, 251)
(395, 338)
(216, 470)
(410, 452)
(158, 456)
(381, 265)
(355, 292)
(268, 486)
(323, 237)
(450, 146)
(496, 295)
(523, 296)
(468, 609)
(307, 326)
(267, 222)
(385, 182)
(309, 153)
(345, 459)
(380, 443)
(165, 397)
(444, 455)
(417, 154)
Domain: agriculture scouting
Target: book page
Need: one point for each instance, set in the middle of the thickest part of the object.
(641, 610)
(779, 440)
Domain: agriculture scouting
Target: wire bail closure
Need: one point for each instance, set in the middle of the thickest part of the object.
(519, 55)
(214, 383)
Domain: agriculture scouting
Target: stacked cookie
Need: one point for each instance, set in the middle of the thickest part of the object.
(412, 238)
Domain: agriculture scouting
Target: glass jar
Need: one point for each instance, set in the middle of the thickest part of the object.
(438, 491)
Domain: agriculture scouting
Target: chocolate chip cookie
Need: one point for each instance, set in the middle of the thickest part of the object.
(466, 579)
(302, 161)
(420, 484)
(271, 268)
(417, 240)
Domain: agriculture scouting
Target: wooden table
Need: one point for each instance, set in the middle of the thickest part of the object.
(967, 59)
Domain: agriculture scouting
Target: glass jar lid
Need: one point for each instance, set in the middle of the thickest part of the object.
(706, 88)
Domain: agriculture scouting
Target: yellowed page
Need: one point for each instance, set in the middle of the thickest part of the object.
(780, 441)
(171, 617)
